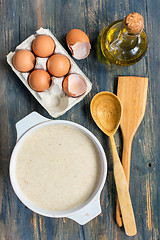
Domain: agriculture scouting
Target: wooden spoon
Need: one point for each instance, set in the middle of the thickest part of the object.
(106, 110)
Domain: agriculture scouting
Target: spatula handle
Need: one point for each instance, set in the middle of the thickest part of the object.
(126, 160)
(123, 193)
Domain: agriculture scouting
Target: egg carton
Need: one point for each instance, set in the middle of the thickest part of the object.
(54, 100)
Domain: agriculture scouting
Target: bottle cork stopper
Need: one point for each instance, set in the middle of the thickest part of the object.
(133, 23)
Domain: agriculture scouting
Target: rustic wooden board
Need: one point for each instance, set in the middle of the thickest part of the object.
(18, 20)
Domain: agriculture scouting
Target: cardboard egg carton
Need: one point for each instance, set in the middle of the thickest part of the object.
(54, 100)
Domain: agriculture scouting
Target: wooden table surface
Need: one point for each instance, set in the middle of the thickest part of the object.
(20, 19)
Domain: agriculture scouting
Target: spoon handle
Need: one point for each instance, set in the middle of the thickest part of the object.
(123, 193)
(126, 161)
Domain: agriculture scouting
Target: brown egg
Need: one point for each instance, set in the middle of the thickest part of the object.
(79, 44)
(58, 65)
(23, 60)
(39, 80)
(74, 85)
(43, 46)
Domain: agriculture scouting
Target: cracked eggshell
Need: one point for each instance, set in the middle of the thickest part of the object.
(79, 44)
(74, 85)
(54, 99)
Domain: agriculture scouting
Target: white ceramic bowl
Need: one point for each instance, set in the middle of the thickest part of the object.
(82, 214)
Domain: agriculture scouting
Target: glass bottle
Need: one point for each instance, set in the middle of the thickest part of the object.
(124, 42)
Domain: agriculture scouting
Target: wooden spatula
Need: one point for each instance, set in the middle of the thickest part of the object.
(132, 91)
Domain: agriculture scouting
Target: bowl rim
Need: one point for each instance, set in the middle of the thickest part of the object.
(50, 213)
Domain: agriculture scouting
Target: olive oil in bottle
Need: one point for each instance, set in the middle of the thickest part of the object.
(124, 42)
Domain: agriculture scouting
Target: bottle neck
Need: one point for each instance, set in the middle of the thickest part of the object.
(125, 34)
(124, 39)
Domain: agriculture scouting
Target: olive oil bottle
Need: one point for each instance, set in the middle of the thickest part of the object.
(124, 42)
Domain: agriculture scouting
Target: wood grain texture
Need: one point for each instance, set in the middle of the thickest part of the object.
(20, 19)
(132, 92)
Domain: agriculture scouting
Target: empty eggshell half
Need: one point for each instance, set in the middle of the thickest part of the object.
(79, 44)
(74, 85)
